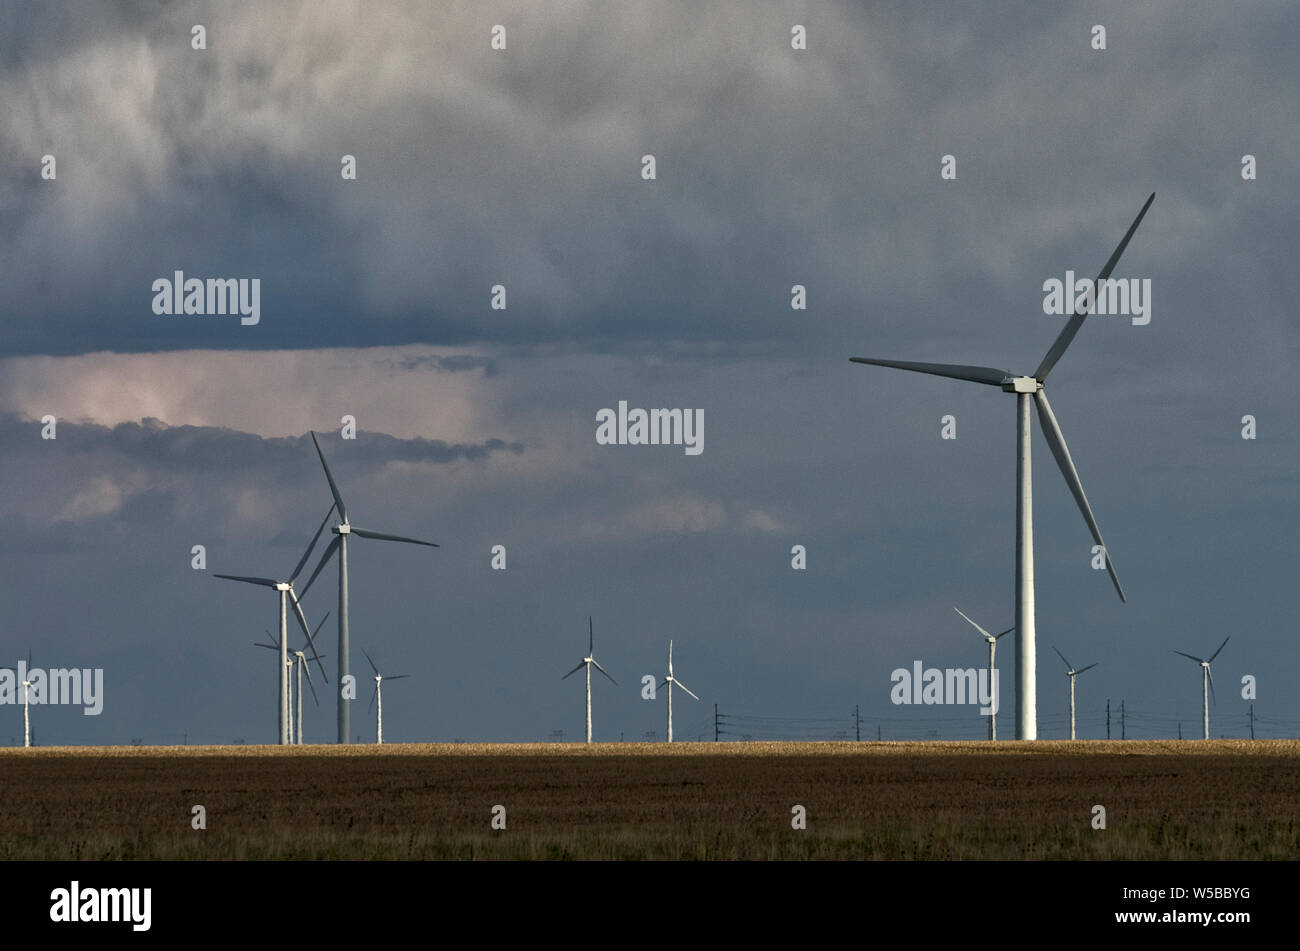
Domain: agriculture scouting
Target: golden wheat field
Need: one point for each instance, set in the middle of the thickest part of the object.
(1222, 799)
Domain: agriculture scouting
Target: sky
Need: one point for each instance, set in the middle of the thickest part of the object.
(476, 426)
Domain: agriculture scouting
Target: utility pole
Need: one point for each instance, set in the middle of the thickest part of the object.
(1108, 718)
(1123, 723)
(857, 719)
(715, 723)
(1252, 721)
(877, 732)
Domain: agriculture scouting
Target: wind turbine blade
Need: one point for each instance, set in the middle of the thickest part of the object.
(370, 662)
(684, 687)
(396, 676)
(1068, 665)
(574, 671)
(1004, 633)
(1221, 646)
(591, 638)
(371, 704)
(1076, 321)
(1209, 674)
(1089, 667)
(334, 489)
(315, 699)
(307, 554)
(330, 549)
(606, 673)
(974, 625)
(1055, 440)
(1190, 657)
(955, 371)
(264, 582)
(366, 533)
(662, 685)
(270, 647)
(306, 630)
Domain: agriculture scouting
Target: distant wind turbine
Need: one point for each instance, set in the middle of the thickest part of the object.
(1072, 673)
(27, 720)
(1207, 686)
(587, 662)
(340, 544)
(993, 683)
(301, 661)
(287, 594)
(377, 698)
(669, 681)
(1027, 388)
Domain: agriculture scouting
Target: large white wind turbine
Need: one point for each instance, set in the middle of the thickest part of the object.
(1072, 673)
(1029, 388)
(287, 595)
(1207, 686)
(300, 659)
(377, 698)
(587, 662)
(669, 681)
(993, 676)
(340, 544)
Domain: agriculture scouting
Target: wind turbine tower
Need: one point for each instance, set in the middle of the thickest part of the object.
(377, 698)
(1072, 673)
(992, 640)
(589, 661)
(669, 681)
(342, 531)
(1207, 686)
(1031, 389)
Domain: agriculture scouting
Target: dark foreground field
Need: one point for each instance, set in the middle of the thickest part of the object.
(1163, 800)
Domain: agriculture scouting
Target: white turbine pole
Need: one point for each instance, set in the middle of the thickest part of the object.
(993, 690)
(27, 721)
(379, 710)
(1072, 704)
(588, 699)
(301, 658)
(343, 721)
(1026, 663)
(284, 664)
(670, 711)
(1205, 701)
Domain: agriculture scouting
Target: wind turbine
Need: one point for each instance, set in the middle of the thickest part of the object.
(1207, 686)
(379, 697)
(1072, 673)
(27, 720)
(295, 720)
(587, 662)
(1029, 388)
(287, 594)
(670, 680)
(993, 683)
(340, 544)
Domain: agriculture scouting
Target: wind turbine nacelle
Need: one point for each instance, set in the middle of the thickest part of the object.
(343, 529)
(1021, 384)
(282, 586)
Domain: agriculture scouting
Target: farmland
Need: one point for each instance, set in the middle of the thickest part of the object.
(1166, 800)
